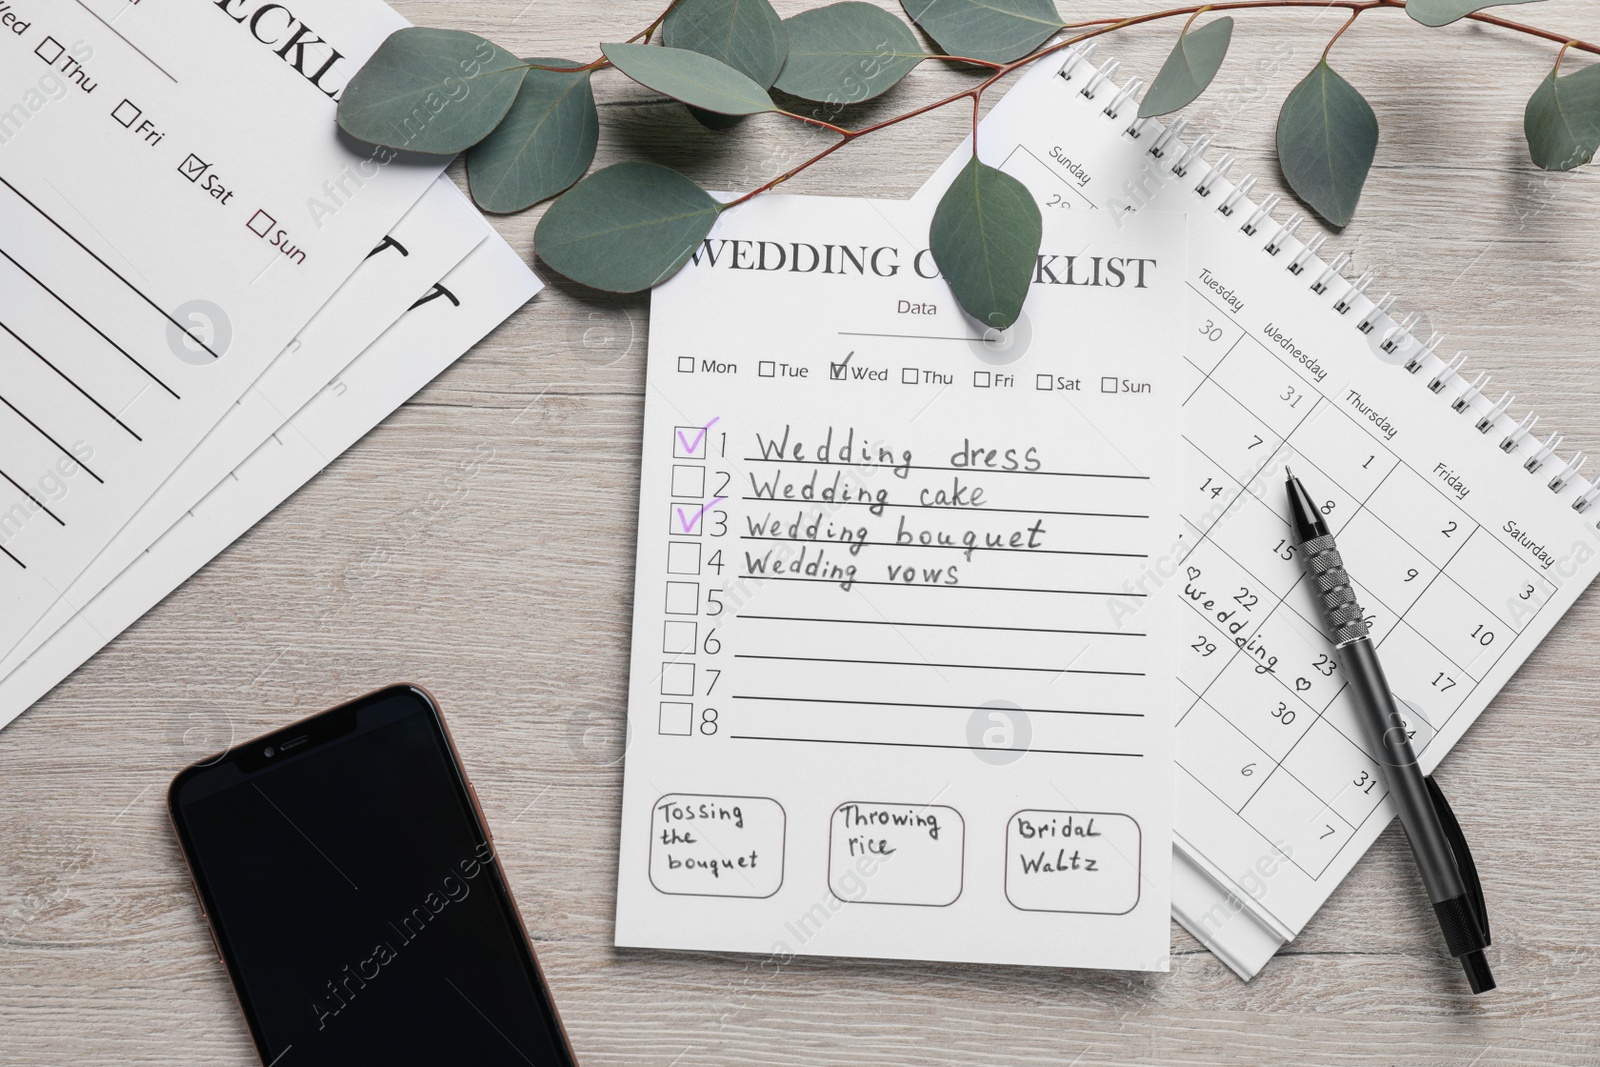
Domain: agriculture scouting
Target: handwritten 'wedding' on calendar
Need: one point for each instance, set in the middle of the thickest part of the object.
(899, 687)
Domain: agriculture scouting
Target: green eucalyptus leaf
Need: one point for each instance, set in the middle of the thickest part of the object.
(694, 79)
(745, 34)
(434, 91)
(1194, 61)
(985, 238)
(1444, 12)
(994, 30)
(846, 53)
(1327, 135)
(545, 143)
(1562, 119)
(625, 228)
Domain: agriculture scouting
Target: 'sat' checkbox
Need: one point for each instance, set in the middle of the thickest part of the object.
(677, 679)
(192, 167)
(688, 481)
(126, 113)
(683, 598)
(260, 223)
(1043, 382)
(678, 639)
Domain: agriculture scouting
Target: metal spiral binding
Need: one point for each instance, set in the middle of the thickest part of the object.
(1312, 247)
(1379, 309)
(1397, 336)
(1219, 170)
(1437, 384)
(1485, 424)
(1358, 288)
(1262, 212)
(1419, 357)
(1285, 232)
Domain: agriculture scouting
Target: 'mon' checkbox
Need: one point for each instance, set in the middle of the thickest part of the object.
(685, 364)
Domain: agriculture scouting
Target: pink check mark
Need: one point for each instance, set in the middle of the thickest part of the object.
(689, 522)
(691, 447)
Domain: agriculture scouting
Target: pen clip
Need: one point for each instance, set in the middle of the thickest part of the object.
(1463, 856)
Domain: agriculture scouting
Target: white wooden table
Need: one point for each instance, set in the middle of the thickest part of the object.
(505, 586)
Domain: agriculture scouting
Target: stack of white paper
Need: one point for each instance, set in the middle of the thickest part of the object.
(181, 280)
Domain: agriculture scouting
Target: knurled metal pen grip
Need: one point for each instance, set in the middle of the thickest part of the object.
(1331, 587)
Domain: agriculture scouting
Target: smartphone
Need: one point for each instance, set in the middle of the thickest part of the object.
(354, 895)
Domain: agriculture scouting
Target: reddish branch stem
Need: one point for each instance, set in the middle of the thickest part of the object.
(1096, 27)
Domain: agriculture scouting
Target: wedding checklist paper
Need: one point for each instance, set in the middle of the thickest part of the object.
(1463, 556)
(175, 203)
(490, 284)
(896, 687)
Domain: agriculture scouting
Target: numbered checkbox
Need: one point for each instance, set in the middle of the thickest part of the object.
(683, 598)
(676, 719)
(688, 481)
(683, 557)
(677, 679)
(679, 638)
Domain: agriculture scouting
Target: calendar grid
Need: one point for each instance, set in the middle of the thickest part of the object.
(1327, 802)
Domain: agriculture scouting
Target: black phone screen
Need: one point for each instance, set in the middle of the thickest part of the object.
(354, 896)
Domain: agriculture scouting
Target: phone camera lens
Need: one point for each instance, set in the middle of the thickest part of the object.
(268, 753)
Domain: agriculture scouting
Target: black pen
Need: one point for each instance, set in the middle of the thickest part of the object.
(1436, 839)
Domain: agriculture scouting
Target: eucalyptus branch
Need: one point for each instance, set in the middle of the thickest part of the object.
(530, 129)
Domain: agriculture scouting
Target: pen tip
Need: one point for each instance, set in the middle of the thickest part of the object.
(1288, 473)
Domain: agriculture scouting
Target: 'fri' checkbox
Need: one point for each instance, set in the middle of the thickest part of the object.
(980, 379)
(126, 113)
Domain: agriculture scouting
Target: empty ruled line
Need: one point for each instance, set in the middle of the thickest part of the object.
(64, 377)
(908, 336)
(919, 663)
(114, 272)
(43, 433)
(947, 707)
(881, 504)
(919, 585)
(956, 547)
(131, 45)
(930, 467)
(36, 502)
(922, 744)
(945, 625)
(79, 315)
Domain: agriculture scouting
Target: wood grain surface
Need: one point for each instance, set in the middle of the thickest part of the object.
(505, 587)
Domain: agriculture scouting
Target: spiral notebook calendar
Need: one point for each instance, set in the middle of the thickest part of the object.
(1469, 534)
